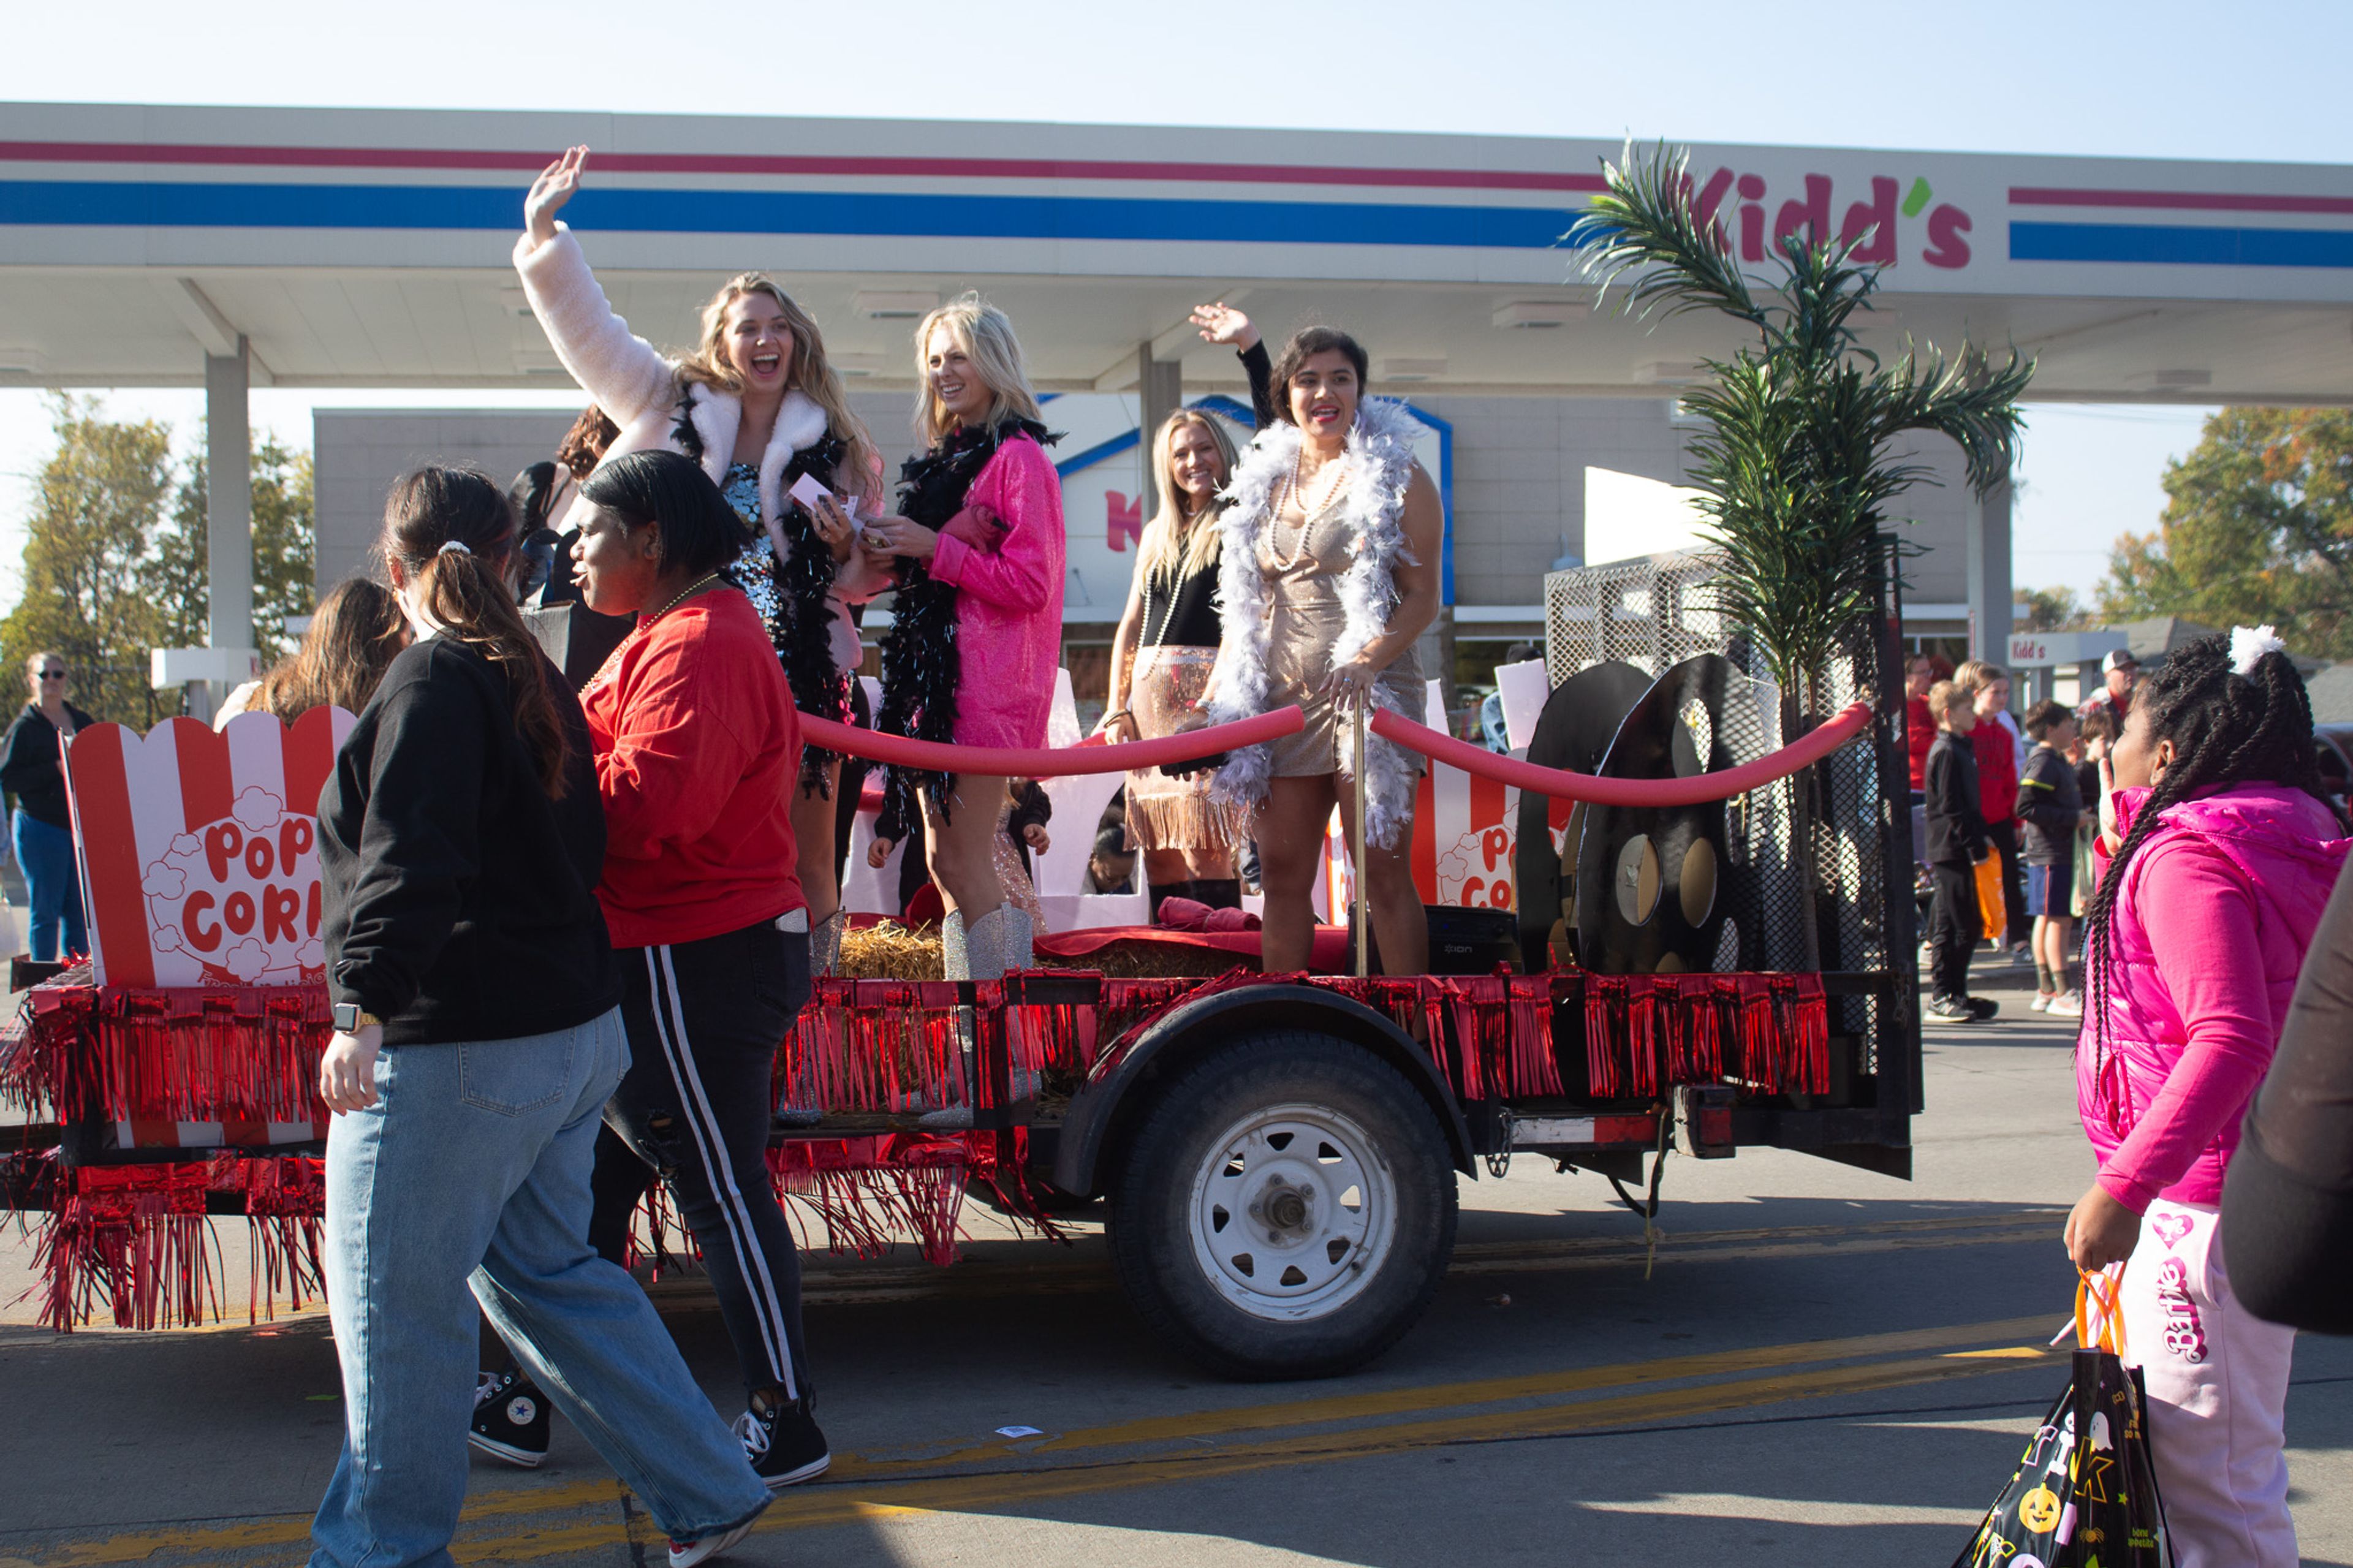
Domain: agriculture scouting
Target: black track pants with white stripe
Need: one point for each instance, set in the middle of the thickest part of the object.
(704, 1020)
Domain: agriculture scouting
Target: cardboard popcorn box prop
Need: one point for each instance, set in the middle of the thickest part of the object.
(199, 852)
(1464, 832)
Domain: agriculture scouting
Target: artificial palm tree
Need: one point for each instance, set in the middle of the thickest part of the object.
(1794, 469)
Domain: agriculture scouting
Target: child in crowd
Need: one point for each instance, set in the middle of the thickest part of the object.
(2222, 851)
(1020, 831)
(2095, 732)
(2000, 757)
(2052, 807)
(1956, 841)
(1021, 820)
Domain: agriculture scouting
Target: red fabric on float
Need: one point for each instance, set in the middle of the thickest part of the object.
(1328, 955)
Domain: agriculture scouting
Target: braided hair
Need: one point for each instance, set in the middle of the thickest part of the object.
(2226, 729)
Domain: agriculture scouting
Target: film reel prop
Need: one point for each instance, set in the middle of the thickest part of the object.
(1579, 720)
(1649, 879)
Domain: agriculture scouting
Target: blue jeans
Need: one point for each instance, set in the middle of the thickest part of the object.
(52, 886)
(472, 1167)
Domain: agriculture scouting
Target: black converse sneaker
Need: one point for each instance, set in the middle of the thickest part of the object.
(780, 1437)
(509, 1420)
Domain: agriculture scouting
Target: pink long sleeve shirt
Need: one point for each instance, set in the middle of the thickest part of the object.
(1008, 600)
(2208, 932)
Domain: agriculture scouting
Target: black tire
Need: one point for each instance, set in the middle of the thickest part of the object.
(1374, 1289)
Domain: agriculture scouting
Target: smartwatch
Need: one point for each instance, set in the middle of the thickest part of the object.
(349, 1018)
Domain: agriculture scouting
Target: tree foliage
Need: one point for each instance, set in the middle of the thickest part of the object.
(2257, 528)
(114, 557)
(283, 555)
(1793, 469)
(96, 504)
(2051, 610)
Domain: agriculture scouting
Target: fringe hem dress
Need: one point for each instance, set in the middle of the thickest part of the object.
(1176, 649)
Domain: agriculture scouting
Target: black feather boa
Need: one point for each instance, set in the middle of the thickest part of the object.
(797, 614)
(922, 667)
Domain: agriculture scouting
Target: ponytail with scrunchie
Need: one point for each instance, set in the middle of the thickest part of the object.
(453, 534)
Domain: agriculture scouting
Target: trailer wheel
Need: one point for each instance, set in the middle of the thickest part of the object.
(1286, 1209)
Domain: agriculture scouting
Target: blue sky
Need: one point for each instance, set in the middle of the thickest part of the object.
(2263, 81)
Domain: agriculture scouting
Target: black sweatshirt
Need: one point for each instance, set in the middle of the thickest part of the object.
(460, 901)
(1957, 831)
(2287, 1204)
(28, 763)
(2052, 804)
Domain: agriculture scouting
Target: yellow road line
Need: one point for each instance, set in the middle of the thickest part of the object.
(871, 1483)
(1485, 1391)
(831, 1506)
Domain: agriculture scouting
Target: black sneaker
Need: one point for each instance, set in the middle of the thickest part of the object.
(1984, 1006)
(1952, 1010)
(780, 1437)
(509, 1420)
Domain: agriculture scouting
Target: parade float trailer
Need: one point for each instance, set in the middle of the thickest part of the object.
(1276, 1154)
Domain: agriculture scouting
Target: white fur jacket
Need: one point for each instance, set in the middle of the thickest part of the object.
(1379, 463)
(639, 389)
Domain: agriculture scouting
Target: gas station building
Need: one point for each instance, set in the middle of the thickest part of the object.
(233, 247)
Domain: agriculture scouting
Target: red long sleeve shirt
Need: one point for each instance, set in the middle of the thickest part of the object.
(1997, 756)
(698, 753)
(1919, 735)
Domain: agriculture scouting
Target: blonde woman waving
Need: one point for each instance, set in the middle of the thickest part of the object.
(757, 405)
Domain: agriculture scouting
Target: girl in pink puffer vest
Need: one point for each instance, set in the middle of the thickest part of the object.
(2221, 852)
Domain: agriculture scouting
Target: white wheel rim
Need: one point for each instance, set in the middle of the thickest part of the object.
(1293, 1213)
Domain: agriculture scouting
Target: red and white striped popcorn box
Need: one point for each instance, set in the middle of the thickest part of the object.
(199, 851)
(1464, 830)
(1466, 833)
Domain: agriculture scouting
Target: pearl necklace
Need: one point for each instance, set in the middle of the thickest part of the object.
(1291, 492)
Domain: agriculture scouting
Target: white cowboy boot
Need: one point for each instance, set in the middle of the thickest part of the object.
(825, 942)
(955, 961)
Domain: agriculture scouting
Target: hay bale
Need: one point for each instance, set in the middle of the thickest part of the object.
(888, 950)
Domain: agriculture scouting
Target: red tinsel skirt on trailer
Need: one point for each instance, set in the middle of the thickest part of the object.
(205, 1101)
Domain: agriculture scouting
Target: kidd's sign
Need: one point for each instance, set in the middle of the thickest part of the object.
(199, 852)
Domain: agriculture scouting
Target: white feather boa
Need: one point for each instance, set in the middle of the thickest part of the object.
(1379, 464)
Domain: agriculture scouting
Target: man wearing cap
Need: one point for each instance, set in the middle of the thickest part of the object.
(2121, 670)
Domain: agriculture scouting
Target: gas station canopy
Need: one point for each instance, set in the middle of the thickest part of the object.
(371, 248)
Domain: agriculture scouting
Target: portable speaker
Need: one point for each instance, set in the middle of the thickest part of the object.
(1462, 942)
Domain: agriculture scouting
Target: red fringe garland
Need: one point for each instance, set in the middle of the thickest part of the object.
(136, 1238)
(866, 1189)
(875, 1045)
(1690, 1027)
(1528, 1028)
(226, 1054)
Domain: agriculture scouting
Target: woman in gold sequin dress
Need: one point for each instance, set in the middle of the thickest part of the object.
(1329, 576)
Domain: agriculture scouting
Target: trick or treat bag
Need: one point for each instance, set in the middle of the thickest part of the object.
(1991, 910)
(199, 852)
(2084, 1495)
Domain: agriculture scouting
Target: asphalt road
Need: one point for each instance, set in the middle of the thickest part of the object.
(1823, 1367)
